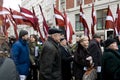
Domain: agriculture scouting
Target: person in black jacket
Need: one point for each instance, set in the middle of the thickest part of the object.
(111, 61)
(96, 52)
(82, 58)
(67, 58)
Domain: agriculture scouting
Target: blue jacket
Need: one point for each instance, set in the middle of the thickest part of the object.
(20, 55)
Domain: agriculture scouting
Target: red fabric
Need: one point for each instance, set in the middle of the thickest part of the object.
(37, 26)
(69, 29)
(59, 21)
(83, 21)
(3, 12)
(30, 16)
(118, 20)
(20, 19)
(45, 26)
(94, 20)
(109, 20)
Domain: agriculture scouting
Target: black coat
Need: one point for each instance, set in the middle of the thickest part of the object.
(50, 61)
(96, 52)
(80, 62)
(111, 65)
(66, 63)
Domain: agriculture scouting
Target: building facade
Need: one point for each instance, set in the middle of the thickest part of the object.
(47, 8)
(73, 9)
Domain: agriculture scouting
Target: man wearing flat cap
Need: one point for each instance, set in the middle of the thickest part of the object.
(50, 61)
(111, 61)
(20, 54)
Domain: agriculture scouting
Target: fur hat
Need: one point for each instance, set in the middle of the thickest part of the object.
(109, 41)
(23, 33)
(54, 30)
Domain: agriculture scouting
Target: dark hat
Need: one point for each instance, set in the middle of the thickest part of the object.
(109, 41)
(96, 36)
(54, 30)
(23, 33)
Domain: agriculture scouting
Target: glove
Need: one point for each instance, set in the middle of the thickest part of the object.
(89, 59)
(22, 77)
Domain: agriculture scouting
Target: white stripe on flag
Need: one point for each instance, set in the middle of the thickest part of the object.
(109, 18)
(17, 17)
(4, 12)
(27, 15)
(59, 16)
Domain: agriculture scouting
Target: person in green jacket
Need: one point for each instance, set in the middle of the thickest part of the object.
(35, 49)
(111, 61)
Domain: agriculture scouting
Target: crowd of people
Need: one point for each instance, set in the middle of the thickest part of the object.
(30, 59)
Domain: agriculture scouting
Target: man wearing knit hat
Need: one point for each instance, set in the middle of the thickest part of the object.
(20, 54)
(50, 60)
(111, 61)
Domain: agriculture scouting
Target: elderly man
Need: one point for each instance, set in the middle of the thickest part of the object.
(50, 61)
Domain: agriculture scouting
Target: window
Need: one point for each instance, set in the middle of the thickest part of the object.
(62, 4)
(78, 25)
(101, 17)
(77, 2)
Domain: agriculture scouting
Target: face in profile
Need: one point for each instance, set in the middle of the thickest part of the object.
(32, 39)
(84, 41)
(114, 46)
(57, 37)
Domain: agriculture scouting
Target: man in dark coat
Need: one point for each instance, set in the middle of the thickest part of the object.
(50, 60)
(96, 52)
(66, 58)
(111, 61)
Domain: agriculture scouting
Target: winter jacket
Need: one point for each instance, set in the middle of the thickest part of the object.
(20, 55)
(111, 65)
(50, 61)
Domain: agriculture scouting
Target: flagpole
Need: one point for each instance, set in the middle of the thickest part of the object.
(54, 22)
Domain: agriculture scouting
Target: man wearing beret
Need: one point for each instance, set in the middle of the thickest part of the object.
(50, 61)
(20, 55)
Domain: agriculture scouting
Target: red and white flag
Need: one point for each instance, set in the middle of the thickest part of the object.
(84, 22)
(109, 20)
(3, 12)
(69, 28)
(30, 17)
(45, 26)
(94, 20)
(37, 26)
(59, 18)
(19, 18)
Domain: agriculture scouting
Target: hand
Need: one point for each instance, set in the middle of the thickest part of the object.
(72, 56)
(89, 58)
(33, 64)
